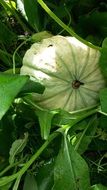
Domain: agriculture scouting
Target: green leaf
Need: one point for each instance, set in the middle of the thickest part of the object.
(99, 18)
(8, 6)
(103, 100)
(44, 176)
(17, 147)
(5, 57)
(71, 170)
(10, 86)
(40, 36)
(45, 118)
(32, 86)
(6, 35)
(71, 118)
(103, 58)
(32, 12)
(83, 139)
(30, 182)
(98, 187)
(103, 122)
(6, 187)
(6, 135)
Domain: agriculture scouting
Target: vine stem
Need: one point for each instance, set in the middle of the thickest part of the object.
(9, 167)
(65, 27)
(14, 54)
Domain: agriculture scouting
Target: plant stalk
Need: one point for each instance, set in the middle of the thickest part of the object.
(65, 27)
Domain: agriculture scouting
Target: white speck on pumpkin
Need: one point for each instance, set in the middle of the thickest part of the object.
(46, 59)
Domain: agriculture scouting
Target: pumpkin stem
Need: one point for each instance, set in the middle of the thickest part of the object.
(76, 84)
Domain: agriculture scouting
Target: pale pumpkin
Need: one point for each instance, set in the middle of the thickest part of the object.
(68, 69)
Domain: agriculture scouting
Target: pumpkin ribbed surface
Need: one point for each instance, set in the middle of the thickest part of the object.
(68, 69)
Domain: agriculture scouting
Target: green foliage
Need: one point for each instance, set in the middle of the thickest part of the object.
(45, 120)
(6, 35)
(40, 36)
(103, 58)
(82, 140)
(6, 136)
(71, 171)
(31, 86)
(17, 147)
(7, 92)
(103, 95)
(30, 179)
(45, 172)
(42, 149)
(34, 15)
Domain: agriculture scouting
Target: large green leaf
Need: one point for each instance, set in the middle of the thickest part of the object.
(71, 170)
(10, 86)
(32, 12)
